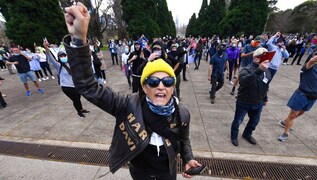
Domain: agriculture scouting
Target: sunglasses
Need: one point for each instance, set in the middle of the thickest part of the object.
(155, 81)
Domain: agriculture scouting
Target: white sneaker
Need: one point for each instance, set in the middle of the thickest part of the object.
(53, 77)
(47, 78)
(284, 63)
(40, 79)
(43, 79)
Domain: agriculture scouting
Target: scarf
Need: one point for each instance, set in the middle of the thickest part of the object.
(158, 123)
(161, 110)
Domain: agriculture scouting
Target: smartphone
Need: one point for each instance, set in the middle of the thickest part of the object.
(196, 170)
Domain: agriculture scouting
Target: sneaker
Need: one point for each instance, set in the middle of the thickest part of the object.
(47, 78)
(231, 82)
(81, 115)
(40, 80)
(43, 79)
(53, 77)
(235, 142)
(282, 124)
(250, 139)
(85, 111)
(283, 137)
(40, 91)
(28, 93)
(232, 92)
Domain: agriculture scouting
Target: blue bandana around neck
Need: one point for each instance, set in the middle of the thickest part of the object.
(162, 110)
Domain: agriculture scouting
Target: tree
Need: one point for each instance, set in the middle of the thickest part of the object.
(202, 21)
(190, 30)
(30, 21)
(245, 16)
(216, 11)
(148, 17)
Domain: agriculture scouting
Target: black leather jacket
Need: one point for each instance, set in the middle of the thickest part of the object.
(254, 84)
(130, 134)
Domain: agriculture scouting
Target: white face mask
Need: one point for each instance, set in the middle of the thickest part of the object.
(234, 45)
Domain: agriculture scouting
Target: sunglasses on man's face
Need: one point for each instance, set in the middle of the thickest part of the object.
(155, 81)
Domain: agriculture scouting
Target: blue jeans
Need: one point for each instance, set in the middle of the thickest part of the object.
(254, 112)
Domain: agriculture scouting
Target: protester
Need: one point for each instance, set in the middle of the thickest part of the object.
(233, 58)
(114, 51)
(35, 64)
(136, 58)
(198, 53)
(65, 78)
(246, 56)
(3, 104)
(21, 61)
(44, 64)
(147, 126)
(252, 96)
(276, 43)
(216, 70)
(303, 98)
(126, 66)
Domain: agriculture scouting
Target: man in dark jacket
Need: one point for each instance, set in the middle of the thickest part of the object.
(252, 96)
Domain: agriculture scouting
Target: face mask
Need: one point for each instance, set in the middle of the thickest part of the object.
(16, 54)
(158, 52)
(64, 59)
(37, 51)
(280, 44)
(234, 45)
(219, 52)
(126, 50)
(255, 44)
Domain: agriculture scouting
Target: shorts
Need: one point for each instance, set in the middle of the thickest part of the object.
(24, 76)
(299, 102)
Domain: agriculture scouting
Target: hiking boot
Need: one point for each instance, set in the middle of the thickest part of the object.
(81, 115)
(250, 139)
(235, 142)
(85, 111)
(28, 93)
(283, 137)
(282, 124)
(40, 91)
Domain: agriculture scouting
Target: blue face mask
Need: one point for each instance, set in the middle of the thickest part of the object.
(16, 54)
(64, 59)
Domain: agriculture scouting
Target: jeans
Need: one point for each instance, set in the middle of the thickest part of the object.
(254, 112)
(217, 81)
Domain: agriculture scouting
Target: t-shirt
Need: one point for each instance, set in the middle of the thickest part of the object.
(247, 60)
(218, 63)
(23, 65)
(308, 80)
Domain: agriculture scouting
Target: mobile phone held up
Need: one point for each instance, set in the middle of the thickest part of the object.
(196, 170)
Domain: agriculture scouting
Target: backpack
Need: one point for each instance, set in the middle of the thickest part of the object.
(60, 69)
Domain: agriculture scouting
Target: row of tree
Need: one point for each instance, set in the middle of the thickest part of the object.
(302, 19)
(30, 21)
(232, 18)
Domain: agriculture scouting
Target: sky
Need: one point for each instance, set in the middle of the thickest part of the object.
(184, 9)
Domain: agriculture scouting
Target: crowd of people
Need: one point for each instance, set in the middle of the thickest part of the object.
(154, 70)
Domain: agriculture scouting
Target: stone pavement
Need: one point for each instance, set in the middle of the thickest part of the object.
(50, 118)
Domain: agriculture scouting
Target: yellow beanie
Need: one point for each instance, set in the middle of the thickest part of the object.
(158, 65)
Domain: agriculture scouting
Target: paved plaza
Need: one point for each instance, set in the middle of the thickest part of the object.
(50, 118)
